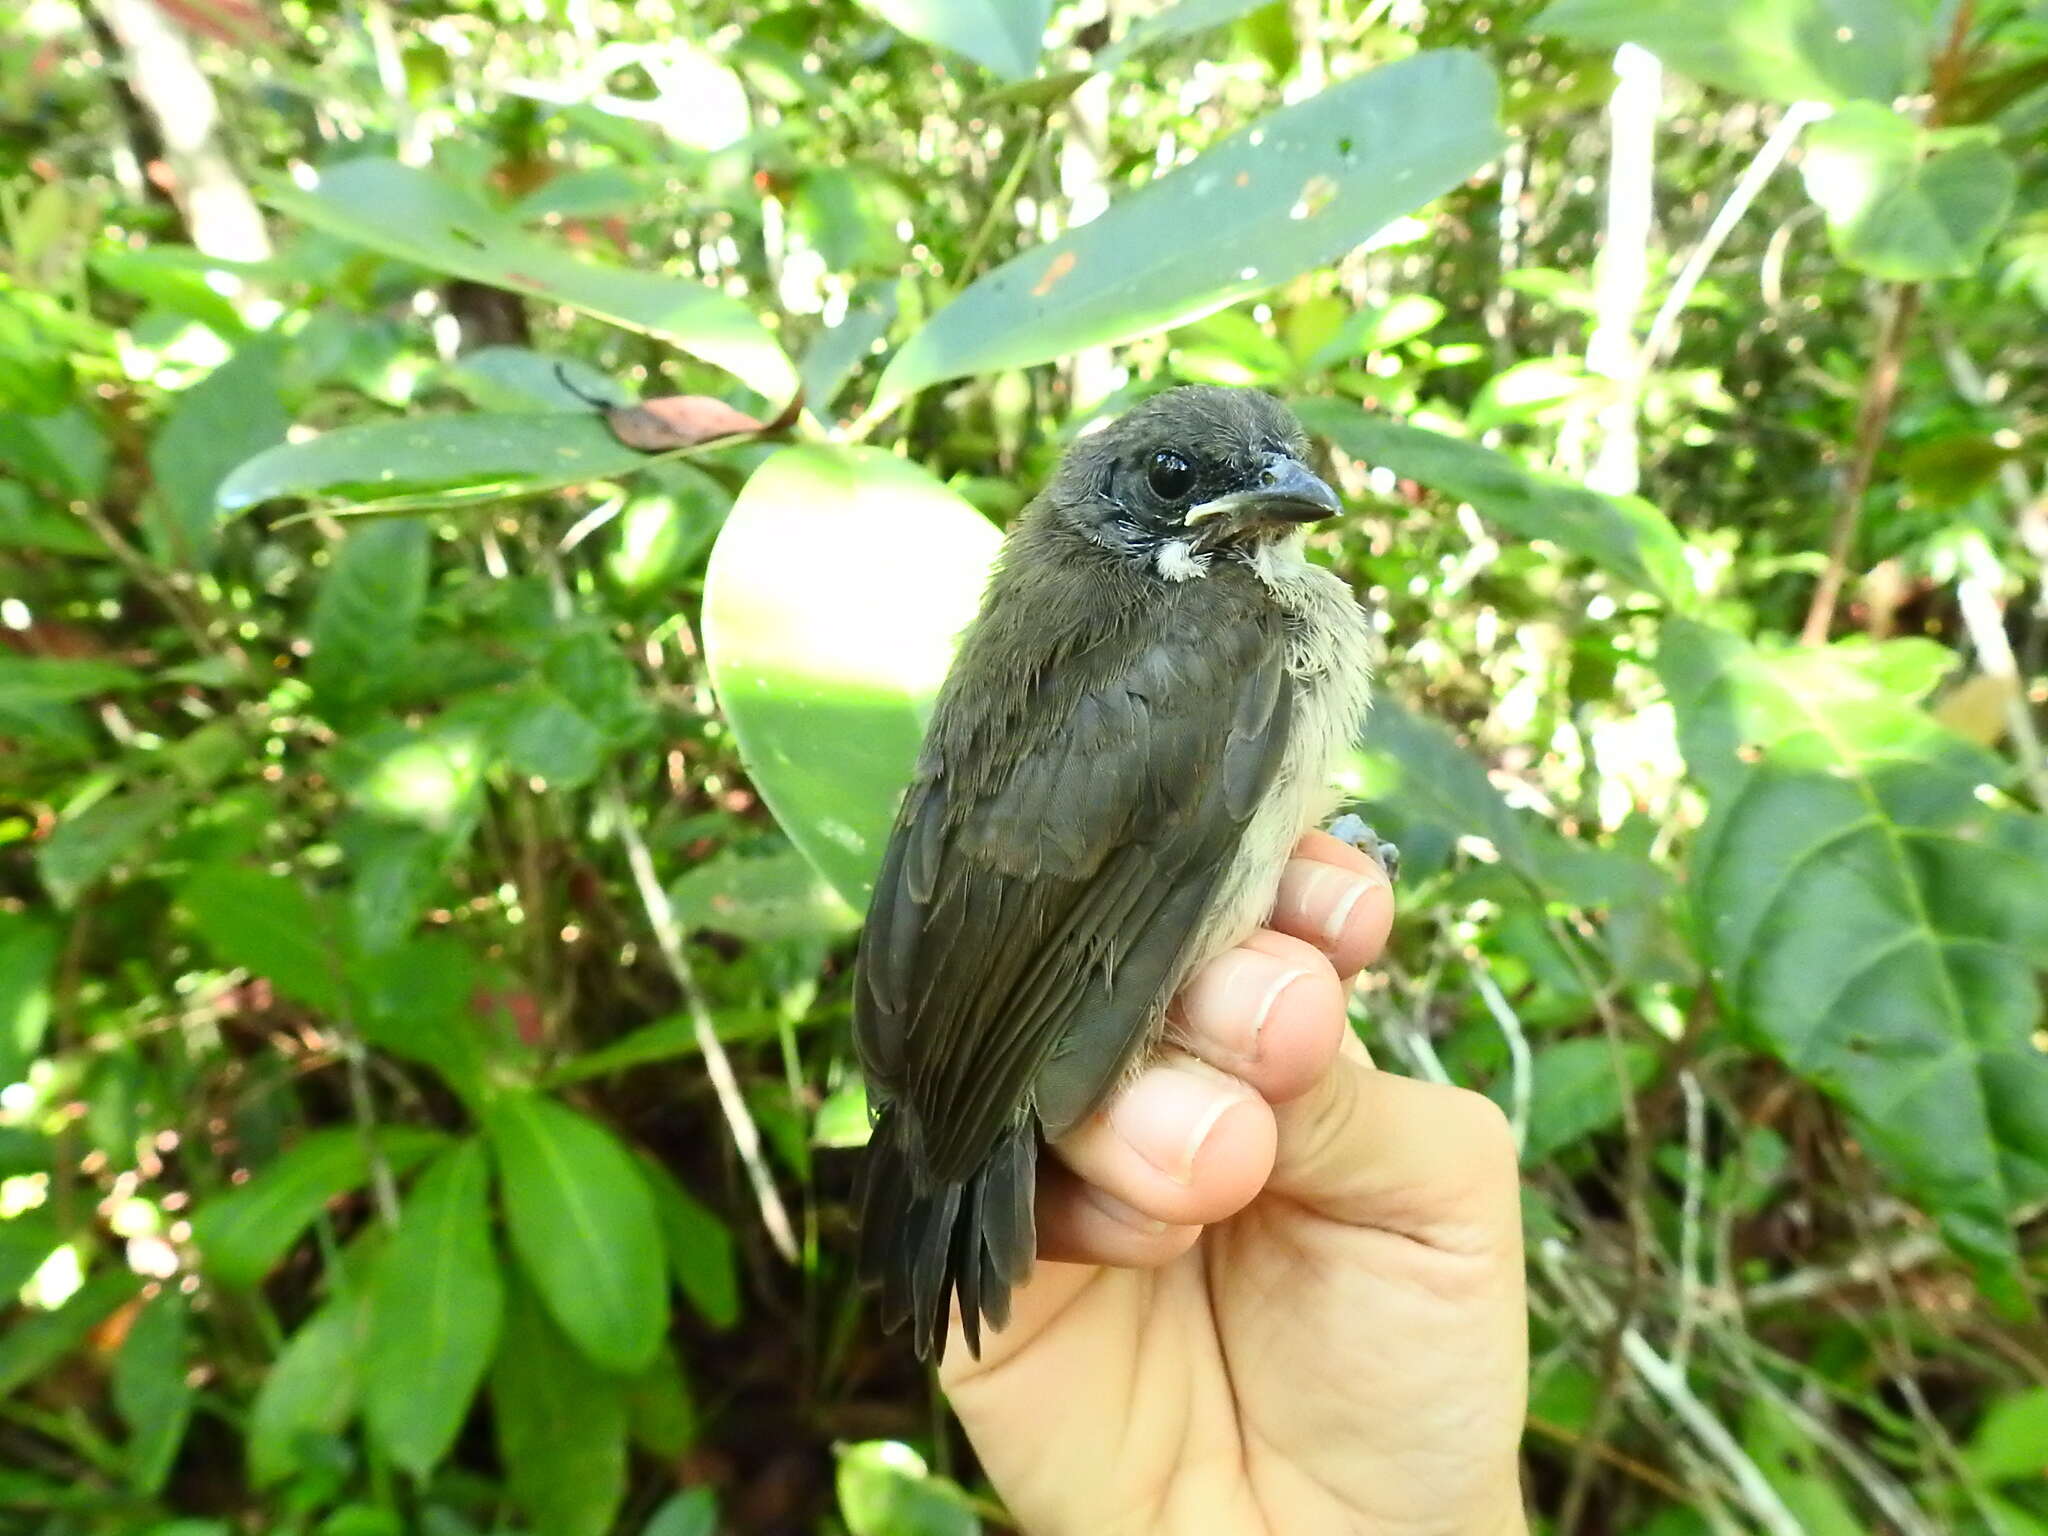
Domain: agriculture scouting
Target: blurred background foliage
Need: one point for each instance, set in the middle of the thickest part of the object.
(437, 788)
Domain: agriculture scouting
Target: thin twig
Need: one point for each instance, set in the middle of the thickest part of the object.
(1663, 332)
(1689, 1216)
(1521, 1065)
(668, 937)
(1873, 415)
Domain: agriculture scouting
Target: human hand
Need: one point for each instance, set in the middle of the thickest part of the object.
(1277, 1290)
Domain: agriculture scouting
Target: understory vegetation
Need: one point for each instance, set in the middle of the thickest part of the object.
(487, 492)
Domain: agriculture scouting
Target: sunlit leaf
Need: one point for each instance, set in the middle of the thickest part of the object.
(2010, 1444)
(368, 606)
(1183, 19)
(773, 896)
(694, 1513)
(229, 416)
(834, 596)
(435, 461)
(583, 1225)
(88, 845)
(1624, 535)
(436, 1300)
(28, 957)
(270, 926)
(1576, 1090)
(1003, 36)
(885, 1489)
(1306, 185)
(1783, 50)
(429, 219)
(31, 1345)
(1903, 203)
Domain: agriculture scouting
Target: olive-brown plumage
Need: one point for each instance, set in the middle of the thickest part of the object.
(1136, 729)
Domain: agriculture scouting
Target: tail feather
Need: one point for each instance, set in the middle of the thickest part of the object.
(923, 1244)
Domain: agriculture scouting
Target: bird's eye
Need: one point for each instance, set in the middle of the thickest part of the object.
(1170, 476)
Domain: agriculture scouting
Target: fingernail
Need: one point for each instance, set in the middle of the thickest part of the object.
(1349, 897)
(1169, 1112)
(1123, 1215)
(1230, 1000)
(1309, 887)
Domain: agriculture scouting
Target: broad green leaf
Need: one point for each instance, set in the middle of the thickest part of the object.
(1782, 50)
(32, 1344)
(25, 1242)
(583, 1225)
(561, 1425)
(268, 925)
(230, 415)
(694, 1513)
(834, 597)
(1873, 919)
(775, 896)
(88, 845)
(427, 1000)
(1905, 204)
(1575, 1091)
(699, 1247)
(885, 1489)
(47, 679)
(151, 1392)
(242, 1234)
(429, 219)
(1623, 535)
(1005, 37)
(1296, 191)
(368, 606)
(311, 1390)
(436, 1301)
(1184, 19)
(432, 461)
(28, 955)
(1426, 777)
(2011, 1441)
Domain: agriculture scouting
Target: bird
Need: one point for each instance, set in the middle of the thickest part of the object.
(1138, 726)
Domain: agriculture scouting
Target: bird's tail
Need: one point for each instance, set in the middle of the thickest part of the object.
(923, 1242)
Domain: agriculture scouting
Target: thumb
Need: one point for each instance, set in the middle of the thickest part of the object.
(1429, 1162)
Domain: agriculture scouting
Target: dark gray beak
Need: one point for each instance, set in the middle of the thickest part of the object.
(1288, 492)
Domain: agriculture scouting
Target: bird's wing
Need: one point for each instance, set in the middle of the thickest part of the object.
(1027, 919)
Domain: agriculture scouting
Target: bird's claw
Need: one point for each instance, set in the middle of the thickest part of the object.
(1351, 828)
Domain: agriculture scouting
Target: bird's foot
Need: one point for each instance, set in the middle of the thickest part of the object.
(1351, 828)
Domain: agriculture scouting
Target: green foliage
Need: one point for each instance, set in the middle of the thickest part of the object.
(405, 783)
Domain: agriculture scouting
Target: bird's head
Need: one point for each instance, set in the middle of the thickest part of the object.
(1191, 473)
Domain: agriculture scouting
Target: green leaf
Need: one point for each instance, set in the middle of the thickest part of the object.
(1782, 50)
(774, 896)
(661, 1418)
(1872, 918)
(561, 1425)
(1182, 20)
(1296, 191)
(429, 219)
(228, 416)
(885, 1489)
(435, 1305)
(1575, 1091)
(694, 1513)
(835, 593)
(1623, 535)
(426, 1000)
(242, 1234)
(583, 1224)
(28, 955)
(311, 1390)
(368, 606)
(32, 1344)
(1005, 37)
(46, 679)
(25, 1242)
(698, 1245)
(436, 461)
(88, 845)
(1905, 204)
(269, 926)
(2011, 1441)
(151, 1392)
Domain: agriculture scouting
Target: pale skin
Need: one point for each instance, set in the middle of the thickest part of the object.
(1278, 1291)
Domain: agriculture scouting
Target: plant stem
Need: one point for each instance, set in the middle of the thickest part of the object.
(1873, 415)
(668, 937)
